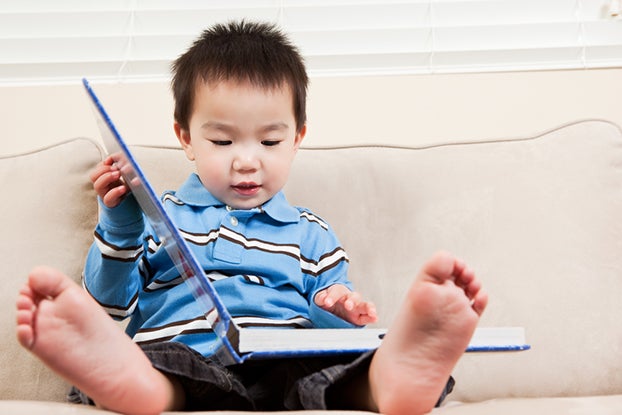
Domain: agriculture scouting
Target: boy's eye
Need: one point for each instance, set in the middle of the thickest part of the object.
(221, 142)
(270, 143)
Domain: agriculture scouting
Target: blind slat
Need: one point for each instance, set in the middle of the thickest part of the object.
(62, 41)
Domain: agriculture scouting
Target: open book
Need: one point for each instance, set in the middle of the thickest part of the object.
(239, 344)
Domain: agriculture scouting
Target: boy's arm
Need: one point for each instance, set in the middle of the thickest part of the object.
(111, 273)
(332, 302)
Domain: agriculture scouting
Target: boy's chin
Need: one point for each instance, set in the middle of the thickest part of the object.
(246, 204)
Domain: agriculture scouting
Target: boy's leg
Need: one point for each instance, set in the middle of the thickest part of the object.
(407, 374)
(410, 370)
(67, 330)
(432, 330)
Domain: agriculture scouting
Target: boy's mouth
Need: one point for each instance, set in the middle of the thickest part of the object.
(246, 188)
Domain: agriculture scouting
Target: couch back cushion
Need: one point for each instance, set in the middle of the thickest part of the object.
(538, 218)
(48, 215)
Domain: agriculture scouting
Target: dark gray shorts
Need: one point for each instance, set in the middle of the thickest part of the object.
(262, 385)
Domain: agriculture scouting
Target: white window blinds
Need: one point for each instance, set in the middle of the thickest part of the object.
(126, 40)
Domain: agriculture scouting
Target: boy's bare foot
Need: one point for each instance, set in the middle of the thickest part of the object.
(430, 333)
(67, 330)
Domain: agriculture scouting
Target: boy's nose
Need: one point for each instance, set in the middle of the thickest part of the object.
(245, 161)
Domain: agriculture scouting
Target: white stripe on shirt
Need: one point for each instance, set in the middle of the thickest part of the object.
(325, 263)
(170, 331)
(288, 249)
(312, 218)
(114, 252)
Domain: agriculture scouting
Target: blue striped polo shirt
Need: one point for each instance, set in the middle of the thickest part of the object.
(266, 263)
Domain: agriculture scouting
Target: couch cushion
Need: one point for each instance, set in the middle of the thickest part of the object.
(55, 408)
(49, 212)
(589, 405)
(539, 218)
(593, 405)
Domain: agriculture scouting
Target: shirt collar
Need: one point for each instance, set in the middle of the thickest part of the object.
(192, 192)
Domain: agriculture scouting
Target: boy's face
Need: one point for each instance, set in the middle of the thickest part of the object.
(242, 139)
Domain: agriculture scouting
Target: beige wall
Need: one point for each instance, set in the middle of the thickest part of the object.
(398, 110)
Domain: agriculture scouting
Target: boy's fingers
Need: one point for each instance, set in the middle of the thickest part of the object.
(323, 299)
(98, 171)
(104, 180)
(334, 293)
(101, 168)
(114, 196)
(328, 301)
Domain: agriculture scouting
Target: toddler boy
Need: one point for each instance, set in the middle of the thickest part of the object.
(240, 94)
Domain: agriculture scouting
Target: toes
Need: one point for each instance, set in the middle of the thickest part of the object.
(444, 266)
(24, 319)
(48, 282)
(441, 267)
(472, 287)
(479, 302)
(25, 336)
(24, 303)
(26, 291)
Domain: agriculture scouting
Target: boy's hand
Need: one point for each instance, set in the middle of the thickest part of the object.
(108, 183)
(348, 305)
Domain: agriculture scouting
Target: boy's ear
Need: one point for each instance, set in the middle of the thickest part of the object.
(300, 135)
(183, 136)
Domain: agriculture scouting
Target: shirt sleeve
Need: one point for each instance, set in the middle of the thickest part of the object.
(111, 273)
(325, 263)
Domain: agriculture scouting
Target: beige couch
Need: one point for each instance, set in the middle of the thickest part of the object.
(539, 218)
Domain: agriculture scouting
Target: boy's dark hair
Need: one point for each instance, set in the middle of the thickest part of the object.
(242, 51)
